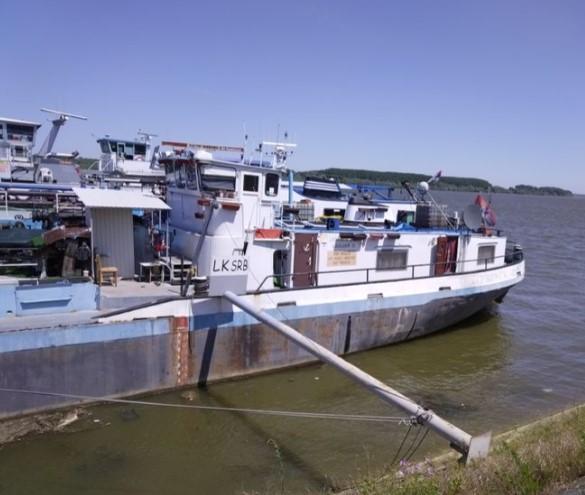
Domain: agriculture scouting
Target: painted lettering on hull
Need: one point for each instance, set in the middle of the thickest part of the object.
(229, 265)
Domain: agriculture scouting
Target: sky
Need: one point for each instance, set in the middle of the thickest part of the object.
(490, 89)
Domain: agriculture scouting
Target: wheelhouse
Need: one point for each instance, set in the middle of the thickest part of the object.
(17, 139)
(124, 150)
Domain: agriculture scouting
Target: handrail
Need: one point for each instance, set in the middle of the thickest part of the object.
(412, 268)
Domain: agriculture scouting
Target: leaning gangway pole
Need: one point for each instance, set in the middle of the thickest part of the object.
(470, 447)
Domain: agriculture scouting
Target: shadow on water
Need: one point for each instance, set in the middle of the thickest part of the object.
(273, 442)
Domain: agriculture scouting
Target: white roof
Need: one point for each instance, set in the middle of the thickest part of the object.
(15, 121)
(113, 198)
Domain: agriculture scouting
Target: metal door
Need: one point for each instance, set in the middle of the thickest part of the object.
(305, 260)
(446, 255)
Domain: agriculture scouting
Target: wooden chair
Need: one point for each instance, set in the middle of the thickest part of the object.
(109, 273)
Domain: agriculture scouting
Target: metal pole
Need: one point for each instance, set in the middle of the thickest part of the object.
(291, 177)
(471, 447)
(93, 274)
(167, 235)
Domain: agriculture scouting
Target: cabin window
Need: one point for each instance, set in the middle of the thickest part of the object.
(392, 259)
(18, 132)
(404, 216)
(180, 176)
(139, 149)
(271, 184)
(128, 151)
(170, 172)
(251, 183)
(486, 254)
(191, 177)
(105, 146)
(213, 178)
(19, 152)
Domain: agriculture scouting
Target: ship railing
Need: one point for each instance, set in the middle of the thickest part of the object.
(282, 281)
(93, 166)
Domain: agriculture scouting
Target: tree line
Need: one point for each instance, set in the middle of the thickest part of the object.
(446, 183)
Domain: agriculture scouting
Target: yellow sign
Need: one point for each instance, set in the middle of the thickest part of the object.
(341, 258)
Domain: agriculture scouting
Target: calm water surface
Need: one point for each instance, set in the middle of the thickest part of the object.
(518, 361)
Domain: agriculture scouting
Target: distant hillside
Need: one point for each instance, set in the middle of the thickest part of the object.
(541, 191)
(395, 178)
(446, 183)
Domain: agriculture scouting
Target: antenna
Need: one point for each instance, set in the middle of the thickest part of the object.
(57, 124)
(146, 136)
(245, 147)
(279, 153)
(63, 115)
(422, 189)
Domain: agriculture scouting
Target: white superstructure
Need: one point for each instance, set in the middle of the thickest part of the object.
(233, 221)
(17, 140)
(129, 158)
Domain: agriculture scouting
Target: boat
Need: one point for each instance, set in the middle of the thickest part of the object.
(17, 139)
(129, 162)
(379, 274)
(322, 198)
(351, 285)
(20, 163)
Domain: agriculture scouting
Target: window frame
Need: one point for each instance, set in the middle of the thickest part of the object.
(201, 177)
(247, 191)
(393, 250)
(486, 260)
(266, 193)
(105, 147)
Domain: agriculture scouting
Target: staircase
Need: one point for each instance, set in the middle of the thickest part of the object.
(175, 267)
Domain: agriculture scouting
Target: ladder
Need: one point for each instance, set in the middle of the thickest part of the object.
(176, 268)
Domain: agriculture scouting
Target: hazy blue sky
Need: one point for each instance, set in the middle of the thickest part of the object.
(491, 89)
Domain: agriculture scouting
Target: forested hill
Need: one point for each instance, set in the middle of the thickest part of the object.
(446, 183)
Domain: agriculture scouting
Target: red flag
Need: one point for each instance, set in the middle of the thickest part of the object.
(487, 212)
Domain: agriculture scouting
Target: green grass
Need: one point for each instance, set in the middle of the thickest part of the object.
(536, 459)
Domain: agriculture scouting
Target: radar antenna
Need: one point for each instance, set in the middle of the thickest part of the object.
(146, 136)
(62, 117)
(280, 152)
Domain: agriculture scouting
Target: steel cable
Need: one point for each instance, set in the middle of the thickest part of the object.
(265, 412)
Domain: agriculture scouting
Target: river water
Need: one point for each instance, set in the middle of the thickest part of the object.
(506, 366)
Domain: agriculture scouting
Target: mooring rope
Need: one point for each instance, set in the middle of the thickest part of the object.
(266, 412)
(422, 439)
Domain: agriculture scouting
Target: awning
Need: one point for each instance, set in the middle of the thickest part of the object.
(113, 198)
